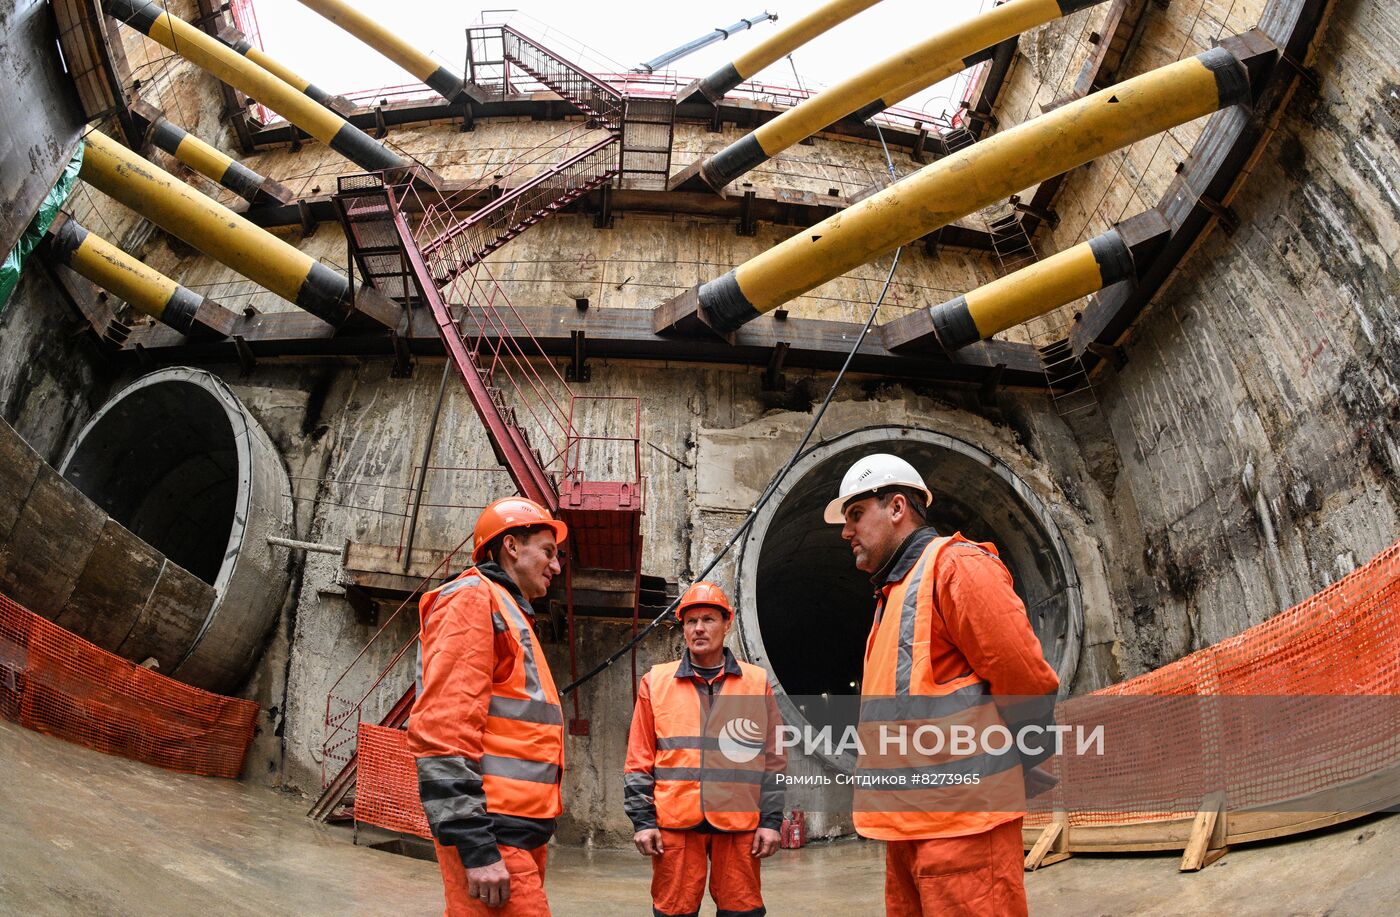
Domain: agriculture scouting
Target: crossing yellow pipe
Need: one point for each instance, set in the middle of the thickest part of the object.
(145, 288)
(214, 229)
(1034, 290)
(441, 80)
(780, 44)
(892, 79)
(214, 164)
(976, 177)
(280, 70)
(223, 62)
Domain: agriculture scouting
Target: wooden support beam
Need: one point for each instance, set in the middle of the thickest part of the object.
(1052, 846)
(1208, 833)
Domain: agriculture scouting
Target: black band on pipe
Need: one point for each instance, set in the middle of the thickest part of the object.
(66, 240)
(720, 82)
(361, 149)
(317, 94)
(242, 46)
(953, 324)
(138, 15)
(866, 112)
(1231, 79)
(725, 304)
(1074, 6)
(986, 54)
(1112, 254)
(732, 161)
(445, 83)
(167, 136)
(325, 294)
(242, 180)
(180, 309)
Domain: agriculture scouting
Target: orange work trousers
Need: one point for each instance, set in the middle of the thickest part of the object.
(970, 876)
(526, 869)
(678, 875)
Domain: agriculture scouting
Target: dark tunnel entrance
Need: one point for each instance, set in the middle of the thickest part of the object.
(807, 611)
(163, 462)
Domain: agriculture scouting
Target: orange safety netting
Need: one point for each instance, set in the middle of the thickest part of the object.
(1327, 670)
(57, 683)
(386, 782)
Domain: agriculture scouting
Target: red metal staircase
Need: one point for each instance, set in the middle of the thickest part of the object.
(414, 246)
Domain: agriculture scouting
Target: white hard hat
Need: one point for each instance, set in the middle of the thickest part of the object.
(871, 474)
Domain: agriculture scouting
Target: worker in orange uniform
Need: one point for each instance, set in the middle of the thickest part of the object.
(702, 774)
(950, 644)
(486, 729)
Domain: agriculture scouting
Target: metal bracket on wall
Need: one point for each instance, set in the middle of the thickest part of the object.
(578, 370)
(774, 379)
(748, 223)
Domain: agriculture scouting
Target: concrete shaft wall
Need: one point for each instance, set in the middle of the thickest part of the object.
(1244, 457)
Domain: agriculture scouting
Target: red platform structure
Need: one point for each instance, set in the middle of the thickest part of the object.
(425, 249)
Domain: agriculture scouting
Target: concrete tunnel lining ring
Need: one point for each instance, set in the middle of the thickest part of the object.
(259, 507)
(843, 449)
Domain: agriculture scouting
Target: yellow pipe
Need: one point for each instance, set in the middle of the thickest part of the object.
(780, 44)
(214, 229)
(1034, 290)
(281, 71)
(422, 67)
(208, 161)
(892, 79)
(142, 286)
(976, 177)
(223, 62)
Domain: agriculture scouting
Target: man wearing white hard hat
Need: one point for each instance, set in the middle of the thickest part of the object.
(950, 647)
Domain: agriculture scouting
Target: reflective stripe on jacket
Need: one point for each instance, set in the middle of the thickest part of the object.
(704, 752)
(947, 635)
(487, 728)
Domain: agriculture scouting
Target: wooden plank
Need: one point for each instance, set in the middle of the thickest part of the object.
(1207, 841)
(1052, 846)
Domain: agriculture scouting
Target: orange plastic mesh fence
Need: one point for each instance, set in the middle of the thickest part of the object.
(1342, 642)
(57, 683)
(386, 782)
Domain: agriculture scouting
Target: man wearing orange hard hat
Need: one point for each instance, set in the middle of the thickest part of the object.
(701, 783)
(487, 729)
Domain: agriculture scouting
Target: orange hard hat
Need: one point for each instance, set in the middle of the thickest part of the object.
(511, 513)
(703, 593)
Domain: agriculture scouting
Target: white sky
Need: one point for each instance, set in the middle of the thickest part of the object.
(625, 31)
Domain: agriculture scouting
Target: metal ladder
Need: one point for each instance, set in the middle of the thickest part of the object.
(1066, 379)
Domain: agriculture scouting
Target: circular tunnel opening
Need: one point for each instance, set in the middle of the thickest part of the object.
(163, 461)
(808, 611)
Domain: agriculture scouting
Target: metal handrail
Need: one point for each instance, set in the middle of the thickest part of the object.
(512, 198)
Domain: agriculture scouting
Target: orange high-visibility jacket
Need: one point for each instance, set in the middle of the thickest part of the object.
(702, 751)
(949, 634)
(486, 730)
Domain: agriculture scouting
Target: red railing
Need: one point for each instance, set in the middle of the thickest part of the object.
(498, 57)
(461, 243)
(345, 706)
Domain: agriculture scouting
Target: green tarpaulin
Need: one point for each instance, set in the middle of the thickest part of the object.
(34, 232)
